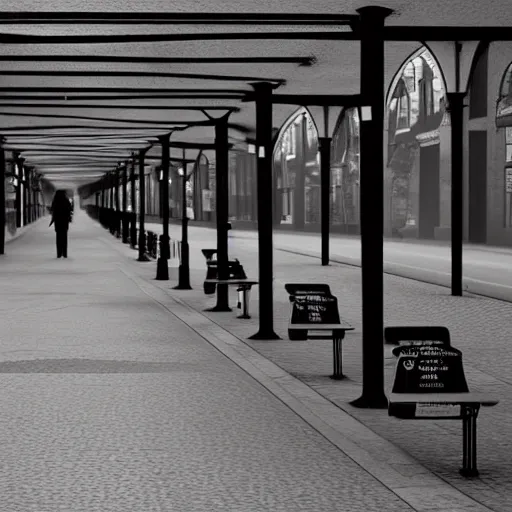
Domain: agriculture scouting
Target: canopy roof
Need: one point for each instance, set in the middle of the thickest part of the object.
(81, 91)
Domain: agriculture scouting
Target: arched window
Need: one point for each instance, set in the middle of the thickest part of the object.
(427, 91)
(506, 84)
(504, 107)
(403, 107)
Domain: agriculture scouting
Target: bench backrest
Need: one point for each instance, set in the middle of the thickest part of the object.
(409, 333)
(208, 253)
(429, 369)
(301, 289)
(315, 309)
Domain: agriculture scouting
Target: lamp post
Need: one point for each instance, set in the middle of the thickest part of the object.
(184, 269)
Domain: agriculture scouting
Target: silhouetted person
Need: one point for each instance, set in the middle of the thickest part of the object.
(61, 216)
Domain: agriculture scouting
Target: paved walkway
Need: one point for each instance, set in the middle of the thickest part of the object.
(110, 402)
(480, 327)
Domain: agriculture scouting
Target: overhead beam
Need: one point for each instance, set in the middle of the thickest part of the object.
(116, 107)
(105, 119)
(91, 127)
(141, 90)
(447, 33)
(206, 95)
(136, 74)
(301, 61)
(390, 33)
(7, 38)
(162, 18)
(326, 100)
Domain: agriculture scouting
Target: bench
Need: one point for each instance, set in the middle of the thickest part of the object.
(315, 316)
(244, 289)
(235, 271)
(430, 384)
(151, 243)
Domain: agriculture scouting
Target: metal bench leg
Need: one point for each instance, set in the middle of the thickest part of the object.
(469, 468)
(245, 305)
(337, 357)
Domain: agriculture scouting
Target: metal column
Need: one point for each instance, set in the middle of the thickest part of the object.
(372, 204)
(28, 193)
(455, 107)
(162, 264)
(184, 269)
(2, 201)
(142, 208)
(222, 209)
(17, 172)
(325, 187)
(263, 93)
(117, 214)
(124, 226)
(133, 213)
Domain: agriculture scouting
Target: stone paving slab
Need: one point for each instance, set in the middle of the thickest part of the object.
(110, 402)
(479, 326)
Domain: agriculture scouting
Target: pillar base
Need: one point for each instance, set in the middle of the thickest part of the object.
(469, 473)
(264, 335)
(377, 401)
(162, 270)
(219, 309)
(183, 279)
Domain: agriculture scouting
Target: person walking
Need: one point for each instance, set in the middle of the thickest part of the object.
(61, 216)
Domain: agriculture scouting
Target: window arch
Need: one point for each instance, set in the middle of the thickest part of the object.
(506, 83)
(402, 107)
(421, 80)
(504, 106)
(427, 90)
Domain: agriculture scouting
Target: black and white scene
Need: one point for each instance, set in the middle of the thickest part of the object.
(256, 256)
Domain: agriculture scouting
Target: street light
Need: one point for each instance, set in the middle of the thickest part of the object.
(184, 269)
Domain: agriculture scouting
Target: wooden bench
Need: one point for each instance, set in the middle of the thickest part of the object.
(244, 287)
(422, 359)
(315, 316)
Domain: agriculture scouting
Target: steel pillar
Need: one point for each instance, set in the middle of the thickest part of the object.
(28, 194)
(133, 213)
(142, 209)
(222, 210)
(2, 201)
(455, 107)
(125, 223)
(117, 214)
(263, 96)
(162, 264)
(372, 204)
(184, 269)
(19, 176)
(325, 188)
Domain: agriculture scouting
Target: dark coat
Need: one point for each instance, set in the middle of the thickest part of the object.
(61, 215)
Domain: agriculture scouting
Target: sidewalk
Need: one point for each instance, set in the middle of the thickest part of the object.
(480, 327)
(111, 402)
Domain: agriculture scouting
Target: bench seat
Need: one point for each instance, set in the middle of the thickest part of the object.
(245, 286)
(336, 332)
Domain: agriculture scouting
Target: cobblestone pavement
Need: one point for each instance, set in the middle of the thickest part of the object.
(111, 403)
(480, 327)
